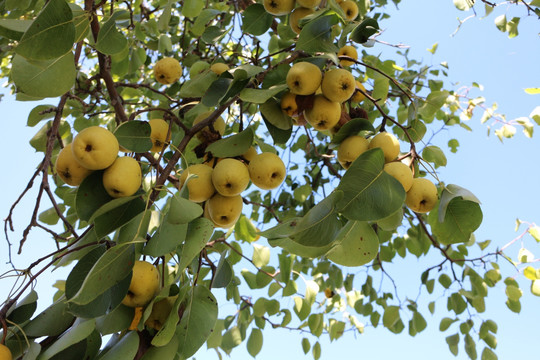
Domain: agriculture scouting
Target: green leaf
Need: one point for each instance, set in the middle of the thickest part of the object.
(24, 309)
(336, 329)
(355, 245)
(261, 255)
(52, 321)
(316, 351)
(167, 238)
(44, 78)
(488, 354)
(199, 232)
(108, 222)
(198, 320)
(392, 320)
(91, 195)
(305, 345)
(182, 211)
(316, 35)
(279, 136)
(260, 96)
(320, 224)
(364, 30)
(126, 348)
(535, 287)
(36, 115)
(134, 136)
(234, 145)
(453, 341)
(77, 333)
(217, 90)
(192, 8)
(111, 268)
(110, 41)
(470, 347)
(51, 34)
(167, 351)
(435, 155)
(316, 324)
(272, 113)
(256, 20)
(244, 229)
(13, 29)
(450, 192)
(434, 101)
(293, 247)
(445, 323)
(167, 333)
(381, 86)
(224, 273)
(512, 27)
(462, 218)
(202, 19)
(369, 192)
(117, 320)
(500, 22)
(198, 86)
(255, 342)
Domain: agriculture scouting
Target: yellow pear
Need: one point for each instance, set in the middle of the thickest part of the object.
(5, 353)
(267, 171)
(350, 8)
(160, 312)
(296, 15)
(350, 149)
(288, 104)
(250, 154)
(123, 177)
(304, 78)
(350, 51)
(95, 148)
(308, 3)
(167, 70)
(278, 7)
(230, 177)
(207, 135)
(200, 188)
(358, 96)
(401, 172)
(224, 211)
(388, 143)
(160, 134)
(69, 169)
(324, 114)
(144, 284)
(219, 68)
(338, 85)
(422, 196)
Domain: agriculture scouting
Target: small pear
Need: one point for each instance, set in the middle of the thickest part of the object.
(224, 211)
(401, 173)
(338, 85)
(422, 196)
(69, 169)
(350, 51)
(160, 134)
(324, 114)
(267, 171)
(200, 188)
(350, 149)
(304, 78)
(144, 284)
(230, 177)
(167, 70)
(95, 148)
(388, 143)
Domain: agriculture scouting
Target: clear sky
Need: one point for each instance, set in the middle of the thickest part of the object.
(503, 176)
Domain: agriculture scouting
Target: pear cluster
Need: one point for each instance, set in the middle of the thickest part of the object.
(328, 92)
(299, 9)
(421, 193)
(96, 148)
(219, 183)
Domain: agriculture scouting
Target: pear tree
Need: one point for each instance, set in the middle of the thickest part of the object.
(260, 154)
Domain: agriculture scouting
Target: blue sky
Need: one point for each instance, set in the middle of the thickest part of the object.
(503, 176)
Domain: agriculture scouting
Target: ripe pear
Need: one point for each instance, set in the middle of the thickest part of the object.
(160, 134)
(200, 188)
(207, 135)
(123, 178)
(350, 51)
(304, 78)
(324, 114)
(278, 7)
(401, 173)
(5, 353)
(298, 14)
(167, 70)
(338, 85)
(267, 171)
(219, 68)
(250, 154)
(224, 211)
(69, 169)
(350, 8)
(95, 148)
(310, 4)
(422, 196)
(230, 177)
(388, 143)
(358, 96)
(144, 284)
(350, 149)
(160, 312)
(288, 104)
